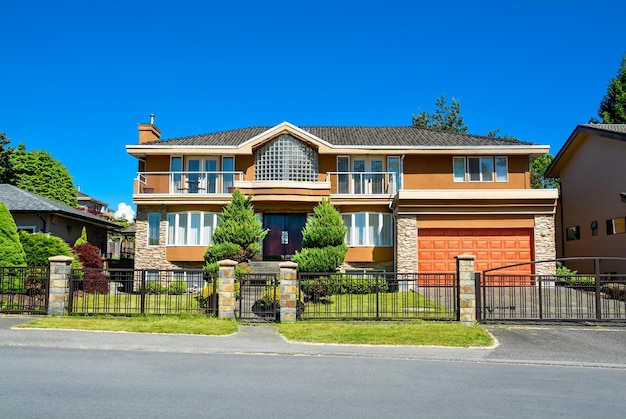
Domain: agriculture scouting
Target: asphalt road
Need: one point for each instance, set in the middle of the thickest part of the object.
(533, 372)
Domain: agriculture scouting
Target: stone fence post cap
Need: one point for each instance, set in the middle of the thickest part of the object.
(227, 262)
(288, 264)
(464, 256)
(60, 258)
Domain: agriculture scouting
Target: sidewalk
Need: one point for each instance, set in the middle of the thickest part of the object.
(547, 345)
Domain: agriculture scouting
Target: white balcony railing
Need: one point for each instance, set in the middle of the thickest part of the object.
(363, 183)
(177, 183)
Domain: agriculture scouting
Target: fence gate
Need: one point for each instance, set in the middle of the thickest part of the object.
(594, 291)
(259, 297)
(24, 289)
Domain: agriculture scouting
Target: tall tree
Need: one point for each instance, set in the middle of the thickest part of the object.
(612, 108)
(6, 172)
(40, 173)
(538, 169)
(446, 117)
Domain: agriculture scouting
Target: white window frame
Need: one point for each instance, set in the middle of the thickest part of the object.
(155, 216)
(455, 174)
(495, 168)
(181, 235)
(355, 237)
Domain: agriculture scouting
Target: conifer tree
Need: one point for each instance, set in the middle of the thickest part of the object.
(11, 250)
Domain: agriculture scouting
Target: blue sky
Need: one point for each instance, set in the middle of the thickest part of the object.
(78, 76)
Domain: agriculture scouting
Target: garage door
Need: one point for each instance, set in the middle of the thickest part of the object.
(493, 247)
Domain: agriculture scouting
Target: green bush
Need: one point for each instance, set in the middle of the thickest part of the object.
(40, 246)
(359, 284)
(155, 287)
(177, 288)
(325, 259)
(11, 250)
(215, 253)
(11, 282)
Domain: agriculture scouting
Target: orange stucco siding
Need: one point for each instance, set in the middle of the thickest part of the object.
(369, 254)
(185, 253)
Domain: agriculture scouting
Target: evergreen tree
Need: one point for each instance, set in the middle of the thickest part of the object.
(538, 169)
(612, 109)
(11, 250)
(6, 171)
(323, 240)
(82, 239)
(40, 173)
(445, 118)
(238, 232)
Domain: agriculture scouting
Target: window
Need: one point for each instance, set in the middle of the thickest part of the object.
(459, 169)
(368, 229)
(154, 221)
(286, 158)
(191, 228)
(594, 228)
(343, 181)
(27, 229)
(616, 226)
(481, 169)
(572, 233)
(395, 181)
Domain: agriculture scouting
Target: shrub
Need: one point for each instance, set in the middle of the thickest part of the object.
(326, 259)
(11, 282)
(177, 288)
(40, 246)
(89, 255)
(94, 281)
(11, 250)
(222, 251)
(155, 287)
(82, 239)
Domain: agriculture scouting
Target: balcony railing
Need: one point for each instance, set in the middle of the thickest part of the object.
(216, 183)
(181, 183)
(363, 183)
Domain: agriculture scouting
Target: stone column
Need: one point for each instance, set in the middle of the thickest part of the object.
(406, 243)
(59, 292)
(288, 291)
(466, 289)
(226, 289)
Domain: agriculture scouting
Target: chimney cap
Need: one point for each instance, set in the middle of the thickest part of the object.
(151, 119)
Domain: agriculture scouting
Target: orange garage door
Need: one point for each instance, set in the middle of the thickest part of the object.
(493, 247)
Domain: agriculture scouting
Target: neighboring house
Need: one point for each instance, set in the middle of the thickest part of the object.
(34, 213)
(91, 204)
(591, 166)
(412, 198)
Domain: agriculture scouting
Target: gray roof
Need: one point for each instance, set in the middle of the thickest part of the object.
(618, 128)
(408, 136)
(19, 200)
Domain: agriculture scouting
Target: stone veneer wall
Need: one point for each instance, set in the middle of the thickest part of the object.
(406, 243)
(545, 244)
(153, 257)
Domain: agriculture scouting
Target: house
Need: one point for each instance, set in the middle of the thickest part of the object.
(412, 198)
(34, 213)
(91, 204)
(591, 166)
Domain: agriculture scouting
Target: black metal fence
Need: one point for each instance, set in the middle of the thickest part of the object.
(586, 295)
(24, 289)
(133, 292)
(377, 296)
(258, 297)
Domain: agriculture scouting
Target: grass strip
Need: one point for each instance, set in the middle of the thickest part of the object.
(421, 333)
(190, 325)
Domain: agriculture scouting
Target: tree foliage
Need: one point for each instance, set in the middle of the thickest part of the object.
(38, 172)
(538, 169)
(237, 225)
(40, 246)
(446, 117)
(612, 108)
(323, 240)
(11, 250)
(6, 172)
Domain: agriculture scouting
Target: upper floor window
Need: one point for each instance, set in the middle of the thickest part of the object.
(481, 169)
(286, 158)
(616, 225)
(368, 228)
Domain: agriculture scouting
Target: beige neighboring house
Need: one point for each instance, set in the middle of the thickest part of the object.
(591, 166)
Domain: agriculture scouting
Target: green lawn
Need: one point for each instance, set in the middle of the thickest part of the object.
(372, 333)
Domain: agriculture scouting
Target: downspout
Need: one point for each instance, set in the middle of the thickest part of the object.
(43, 222)
(395, 215)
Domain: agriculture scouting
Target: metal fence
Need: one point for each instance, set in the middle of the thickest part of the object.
(258, 297)
(24, 289)
(134, 292)
(377, 296)
(591, 296)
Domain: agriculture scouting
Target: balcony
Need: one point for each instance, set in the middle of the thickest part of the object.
(186, 183)
(196, 184)
(363, 183)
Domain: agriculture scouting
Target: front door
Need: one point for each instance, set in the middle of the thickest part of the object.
(284, 237)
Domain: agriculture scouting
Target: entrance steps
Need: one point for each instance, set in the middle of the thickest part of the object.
(265, 267)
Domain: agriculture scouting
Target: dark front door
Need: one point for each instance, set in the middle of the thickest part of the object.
(284, 237)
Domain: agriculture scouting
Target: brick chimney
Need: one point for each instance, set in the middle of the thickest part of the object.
(148, 132)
